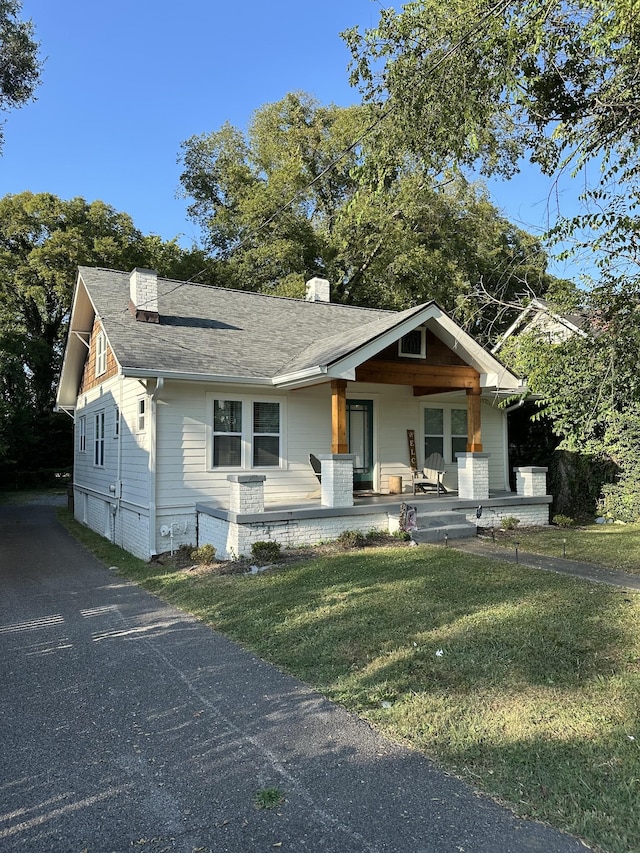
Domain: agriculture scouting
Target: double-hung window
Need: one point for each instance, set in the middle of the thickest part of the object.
(82, 434)
(227, 434)
(445, 431)
(266, 435)
(246, 433)
(101, 354)
(98, 441)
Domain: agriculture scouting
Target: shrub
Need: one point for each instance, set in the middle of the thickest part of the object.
(265, 551)
(509, 522)
(204, 554)
(562, 521)
(351, 539)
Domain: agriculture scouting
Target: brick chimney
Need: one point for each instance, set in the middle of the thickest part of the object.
(143, 295)
(318, 290)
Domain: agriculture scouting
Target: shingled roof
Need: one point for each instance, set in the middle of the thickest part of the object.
(220, 334)
(216, 331)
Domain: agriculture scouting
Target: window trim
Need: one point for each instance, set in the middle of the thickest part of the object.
(98, 439)
(447, 434)
(247, 434)
(101, 354)
(423, 344)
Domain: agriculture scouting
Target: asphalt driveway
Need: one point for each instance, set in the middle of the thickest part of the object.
(127, 726)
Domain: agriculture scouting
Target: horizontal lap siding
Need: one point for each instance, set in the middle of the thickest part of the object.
(135, 445)
(182, 467)
(98, 399)
(493, 442)
(183, 417)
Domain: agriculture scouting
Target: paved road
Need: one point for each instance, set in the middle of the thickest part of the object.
(127, 726)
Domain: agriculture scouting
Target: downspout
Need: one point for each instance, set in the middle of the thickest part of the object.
(153, 397)
(119, 468)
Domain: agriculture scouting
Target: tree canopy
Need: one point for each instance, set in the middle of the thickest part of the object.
(19, 62)
(320, 190)
(43, 240)
(485, 84)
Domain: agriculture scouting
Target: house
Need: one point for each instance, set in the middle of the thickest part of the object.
(539, 319)
(196, 409)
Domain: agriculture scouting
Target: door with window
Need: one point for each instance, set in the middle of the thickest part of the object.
(360, 441)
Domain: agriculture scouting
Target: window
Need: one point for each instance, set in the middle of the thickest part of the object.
(98, 442)
(116, 422)
(266, 435)
(227, 433)
(246, 434)
(458, 432)
(413, 344)
(445, 432)
(82, 434)
(433, 432)
(142, 409)
(101, 354)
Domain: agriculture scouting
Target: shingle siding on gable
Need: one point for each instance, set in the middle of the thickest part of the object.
(89, 379)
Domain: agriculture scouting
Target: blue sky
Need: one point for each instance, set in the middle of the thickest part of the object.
(125, 82)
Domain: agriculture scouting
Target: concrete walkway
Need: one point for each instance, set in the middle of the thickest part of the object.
(127, 725)
(574, 568)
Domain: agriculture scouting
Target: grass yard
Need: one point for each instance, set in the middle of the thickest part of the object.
(614, 545)
(523, 682)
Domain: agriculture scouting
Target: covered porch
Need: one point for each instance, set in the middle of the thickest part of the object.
(248, 519)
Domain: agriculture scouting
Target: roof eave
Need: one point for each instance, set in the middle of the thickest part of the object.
(211, 378)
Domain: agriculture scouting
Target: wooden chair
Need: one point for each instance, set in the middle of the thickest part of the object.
(431, 476)
(317, 467)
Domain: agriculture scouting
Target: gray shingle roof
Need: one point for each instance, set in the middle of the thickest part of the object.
(219, 332)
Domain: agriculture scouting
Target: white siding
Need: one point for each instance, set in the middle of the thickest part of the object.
(183, 470)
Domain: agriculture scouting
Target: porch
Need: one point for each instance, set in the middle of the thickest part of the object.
(233, 529)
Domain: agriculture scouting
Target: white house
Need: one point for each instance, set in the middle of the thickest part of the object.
(196, 409)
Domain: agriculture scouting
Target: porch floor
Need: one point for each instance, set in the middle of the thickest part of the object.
(365, 504)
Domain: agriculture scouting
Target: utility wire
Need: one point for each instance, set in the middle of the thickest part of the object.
(498, 8)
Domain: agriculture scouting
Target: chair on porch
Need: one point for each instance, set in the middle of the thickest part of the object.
(317, 467)
(431, 476)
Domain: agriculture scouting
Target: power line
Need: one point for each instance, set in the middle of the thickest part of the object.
(495, 10)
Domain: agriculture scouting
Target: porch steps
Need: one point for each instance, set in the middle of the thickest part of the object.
(432, 527)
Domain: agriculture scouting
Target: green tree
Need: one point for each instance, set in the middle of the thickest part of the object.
(483, 83)
(43, 240)
(319, 190)
(19, 62)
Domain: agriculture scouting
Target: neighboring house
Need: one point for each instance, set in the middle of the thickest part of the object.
(539, 319)
(196, 409)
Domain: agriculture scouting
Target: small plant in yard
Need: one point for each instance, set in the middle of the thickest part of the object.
(269, 798)
(265, 551)
(351, 539)
(563, 521)
(204, 555)
(509, 522)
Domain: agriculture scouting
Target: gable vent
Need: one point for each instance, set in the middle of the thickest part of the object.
(143, 295)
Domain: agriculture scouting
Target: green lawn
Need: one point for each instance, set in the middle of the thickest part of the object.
(523, 682)
(614, 545)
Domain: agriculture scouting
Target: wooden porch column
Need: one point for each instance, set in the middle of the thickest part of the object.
(474, 432)
(339, 416)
